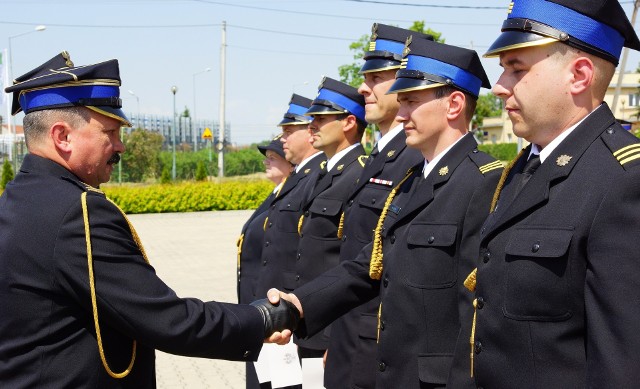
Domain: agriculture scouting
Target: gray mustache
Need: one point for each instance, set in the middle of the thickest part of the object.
(115, 158)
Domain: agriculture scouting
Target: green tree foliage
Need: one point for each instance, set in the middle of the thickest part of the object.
(165, 177)
(141, 159)
(418, 26)
(7, 174)
(201, 171)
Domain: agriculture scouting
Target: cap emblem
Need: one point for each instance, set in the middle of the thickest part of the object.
(407, 50)
(510, 8)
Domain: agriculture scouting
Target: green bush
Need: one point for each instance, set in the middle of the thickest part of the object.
(190, 196)
(201, 171)
(7, 174)
(500, 151)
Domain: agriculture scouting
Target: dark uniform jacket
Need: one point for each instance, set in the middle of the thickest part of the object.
(352, 348)
(47, 332)
(559, 268)
(281, 234)
(250, 252)
(430, 232)
(319, 246)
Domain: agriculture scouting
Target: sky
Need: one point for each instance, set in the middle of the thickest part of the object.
(274, 47)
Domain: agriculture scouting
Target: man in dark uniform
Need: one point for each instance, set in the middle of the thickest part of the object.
(81, 306)
(281, 228)
(352, 348)
(427, 232)
(337, 128)
(558, 291)
(251, 238)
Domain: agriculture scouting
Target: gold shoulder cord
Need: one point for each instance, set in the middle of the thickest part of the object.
(341, 226)
(375, 267)
(239, 245)
(87, 233)
(300, 221)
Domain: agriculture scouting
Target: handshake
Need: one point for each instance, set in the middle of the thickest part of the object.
(278, 317)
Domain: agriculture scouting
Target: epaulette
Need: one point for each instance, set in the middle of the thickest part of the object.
(623, 145)
(485, 162)
(363, 159)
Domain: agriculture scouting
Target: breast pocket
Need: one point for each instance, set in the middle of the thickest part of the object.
(536, 282)
(432, 260)
(324, 214)
(370, 203)
(288, 214)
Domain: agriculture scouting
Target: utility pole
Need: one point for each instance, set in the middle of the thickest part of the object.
(623, 64)
(223, 52)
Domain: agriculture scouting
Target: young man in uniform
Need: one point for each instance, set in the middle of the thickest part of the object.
(352, 348)
(337, 128)
(557, 281)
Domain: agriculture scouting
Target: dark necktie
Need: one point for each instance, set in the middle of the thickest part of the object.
(529, 168)
(373, 154)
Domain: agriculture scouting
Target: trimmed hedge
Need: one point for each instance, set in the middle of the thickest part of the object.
(500, 151)
(190, 196)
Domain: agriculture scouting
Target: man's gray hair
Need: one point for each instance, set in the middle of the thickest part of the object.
(37, 123)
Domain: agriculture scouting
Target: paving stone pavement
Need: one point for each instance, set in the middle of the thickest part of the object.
(195, 254)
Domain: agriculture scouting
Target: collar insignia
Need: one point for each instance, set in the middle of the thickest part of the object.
(340, 167)
(306, 171)
(563, 160)
(444, 171)
(391, 153)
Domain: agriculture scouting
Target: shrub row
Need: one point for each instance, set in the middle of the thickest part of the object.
(190, 196)
(500, 151)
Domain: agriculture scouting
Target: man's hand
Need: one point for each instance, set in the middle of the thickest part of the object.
(280, 319)
(274, 296)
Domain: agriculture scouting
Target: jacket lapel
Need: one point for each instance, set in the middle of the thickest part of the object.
(325, 182)
(554, 170)
(425, 189)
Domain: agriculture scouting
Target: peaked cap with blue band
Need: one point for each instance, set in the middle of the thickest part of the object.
(336, 98)
(58, 84)
(429, 64)
(599, 27)
(298, 105)
(386, 46)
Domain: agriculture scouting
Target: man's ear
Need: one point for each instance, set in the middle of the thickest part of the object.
(351, 123)
(583, 71)
(59, 133)
(456, 103)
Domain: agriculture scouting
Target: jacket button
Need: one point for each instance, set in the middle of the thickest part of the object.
(324, 209)
(393, 239)
(247, 354)
(480, 302)
(486, 257)
(381, 325)
(385, 282)
(270, 224)
(344, 238)
(350, 202)
(289, 205)
(431, 239)
(477, 347)
(266, 244)
(264, 263)
(299, 255)
(306, 213)
(535, 247)
(382, 366)
(373, 201)
(297, 277)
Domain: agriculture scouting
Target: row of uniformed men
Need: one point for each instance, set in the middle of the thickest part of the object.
(413, 223)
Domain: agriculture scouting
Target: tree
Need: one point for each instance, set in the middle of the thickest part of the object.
(7, 174)
(201, 171)
(488, 106)
(142, 157)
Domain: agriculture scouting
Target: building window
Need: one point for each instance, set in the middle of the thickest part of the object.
(634, 100)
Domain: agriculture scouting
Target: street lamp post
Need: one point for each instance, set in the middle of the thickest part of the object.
(174, 89)
(10, 125)
(132, 93)
(195, 134)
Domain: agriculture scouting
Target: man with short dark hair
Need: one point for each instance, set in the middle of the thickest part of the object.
(557, 294)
